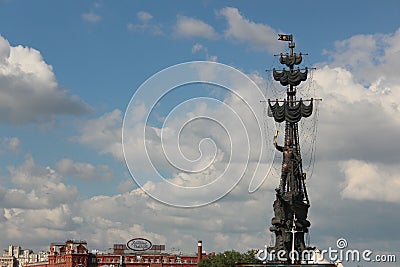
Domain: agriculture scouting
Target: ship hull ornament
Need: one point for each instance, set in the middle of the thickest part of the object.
(290, 223)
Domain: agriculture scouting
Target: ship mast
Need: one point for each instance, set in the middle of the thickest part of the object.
(293, 127)
(291, 205)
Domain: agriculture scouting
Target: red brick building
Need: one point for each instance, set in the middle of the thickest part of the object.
(75, 254)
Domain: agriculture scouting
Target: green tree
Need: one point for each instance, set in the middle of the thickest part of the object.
(205, 262)
(229, 259)
(250, 257)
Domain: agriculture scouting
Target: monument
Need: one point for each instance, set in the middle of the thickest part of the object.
(291, 205)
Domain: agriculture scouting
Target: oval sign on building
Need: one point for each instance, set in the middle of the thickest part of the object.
(139, 244)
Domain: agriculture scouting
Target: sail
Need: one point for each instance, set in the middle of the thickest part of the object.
(292, 77)
(291, 60)
(286, 112)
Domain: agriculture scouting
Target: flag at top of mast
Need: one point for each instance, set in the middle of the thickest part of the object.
(285, 37)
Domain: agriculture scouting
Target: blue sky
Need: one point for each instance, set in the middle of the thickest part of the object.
(68, 70)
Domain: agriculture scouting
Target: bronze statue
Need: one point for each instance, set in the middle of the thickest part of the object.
(289, 164)
(291, 205)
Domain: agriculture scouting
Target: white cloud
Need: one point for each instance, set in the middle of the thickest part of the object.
(212, 58)
(359, 117)
(145, 24)
(181, 227)
(144, 16)
(35, 205)
(28, 88)
(5, 50)
(103, 220)
(364, 100)
(12, 144)
(197, 47)
(126, 185)
(36, 187)
(258, 36)
(84, 170)
(36, 228)
(370, 57)
(368, 181)
(104, 133)
(91, 17)
(203, 145)
(344, 134)
(356, 160)
(191, 28)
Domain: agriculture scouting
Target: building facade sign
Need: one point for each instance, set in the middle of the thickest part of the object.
(139, 244)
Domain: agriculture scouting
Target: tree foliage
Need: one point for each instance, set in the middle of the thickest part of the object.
(229, 259)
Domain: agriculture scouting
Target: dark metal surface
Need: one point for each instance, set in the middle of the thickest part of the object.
(291, 204)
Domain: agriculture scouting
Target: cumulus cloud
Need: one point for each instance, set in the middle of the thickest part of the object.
(355, 92)
(37, 206)
(191, 28)
(84, 170)
(181, 227)
(199, 47)
(104, 133)
(11, 144)
(29, 91)
(355, 170)
(103, 220)
(36, 228)
(209, 146)
(368, 181)
(36, 187)
(355, 163)
(144, 16)
(258, 36)
(91, 17)
(146, 24)
(372, 58)
(126, 186)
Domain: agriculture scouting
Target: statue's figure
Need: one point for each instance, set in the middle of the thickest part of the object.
(278, 225)
(289, 164)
